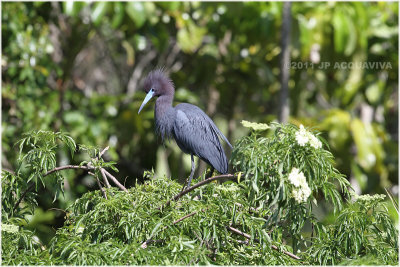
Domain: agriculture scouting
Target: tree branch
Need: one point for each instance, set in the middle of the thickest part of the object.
(115, 181)
(48, 173)
(247, 236)
(137, 73)
(284, 109)
(66, 167)
(184, 217)
(99, 184)
(102, 152)
(145, 243)
(105, 178)
(206, 181)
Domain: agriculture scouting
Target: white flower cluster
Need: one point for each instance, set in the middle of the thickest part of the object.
(369, 198)
(10, 228)
(297, 178)
(255, 126)
(303, 137)
(302, 191)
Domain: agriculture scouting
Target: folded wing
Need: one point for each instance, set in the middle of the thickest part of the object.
(195, 133)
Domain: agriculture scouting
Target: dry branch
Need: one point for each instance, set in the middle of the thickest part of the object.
(105, 178)
(115, 181)
(247, 236)
(66, 167)
(206, 181)
(99, 184)
(102, 152)
(148, 241)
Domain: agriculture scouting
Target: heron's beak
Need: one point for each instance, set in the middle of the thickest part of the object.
(146, 99)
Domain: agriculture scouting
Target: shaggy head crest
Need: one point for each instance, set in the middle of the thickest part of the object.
(159, 81)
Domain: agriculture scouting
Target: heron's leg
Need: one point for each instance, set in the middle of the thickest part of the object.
(192, 172)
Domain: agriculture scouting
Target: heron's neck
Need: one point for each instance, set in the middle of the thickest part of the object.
(163, 103)
(164, 115)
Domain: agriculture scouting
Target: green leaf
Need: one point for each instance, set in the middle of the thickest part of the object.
(136, 12)
(341, 32)
(72, 8)
(369, 150)
(98, 11)
(351, 41)
(190, 37)
(119, 12)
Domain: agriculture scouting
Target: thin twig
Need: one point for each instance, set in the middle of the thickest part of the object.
(247, 236)
(102, 152)
(312, 233)
(243, 242)
(145, 243)
(184, 217)
(66, 167)
(105, 178)
(115, 181)
(392, 199)
(99, 184)
(187, 190)
(137, 73)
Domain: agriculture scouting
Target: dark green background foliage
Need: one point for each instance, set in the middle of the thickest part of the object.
(78, 68)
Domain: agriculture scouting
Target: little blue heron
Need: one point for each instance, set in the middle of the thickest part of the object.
(194, 132)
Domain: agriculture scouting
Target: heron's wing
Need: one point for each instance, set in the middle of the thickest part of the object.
(196, 133)
(196, 111)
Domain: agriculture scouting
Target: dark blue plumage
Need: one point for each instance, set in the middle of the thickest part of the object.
(194, 132)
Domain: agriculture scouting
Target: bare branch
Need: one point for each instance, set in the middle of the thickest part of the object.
(247, 236)
(66, 167)
(172, 55)
(148, 241)
(187, 190)
(284, 109)
(88, 167)
(184, 217)
(105, 177)
(115, 181)
(99, 184)
(102, 152)
(137, 73)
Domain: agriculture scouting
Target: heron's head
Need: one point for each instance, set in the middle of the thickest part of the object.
(157, 83)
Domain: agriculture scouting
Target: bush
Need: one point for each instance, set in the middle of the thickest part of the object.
(259, 216)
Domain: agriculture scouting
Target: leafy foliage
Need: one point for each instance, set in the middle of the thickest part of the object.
(361, 231)
(33, 166)
(46, 85)
(134, 218)
(230, 223)
(267, 163)
(21, 247)
(223, 57)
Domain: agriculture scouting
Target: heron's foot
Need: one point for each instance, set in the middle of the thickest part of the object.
(186, 185)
